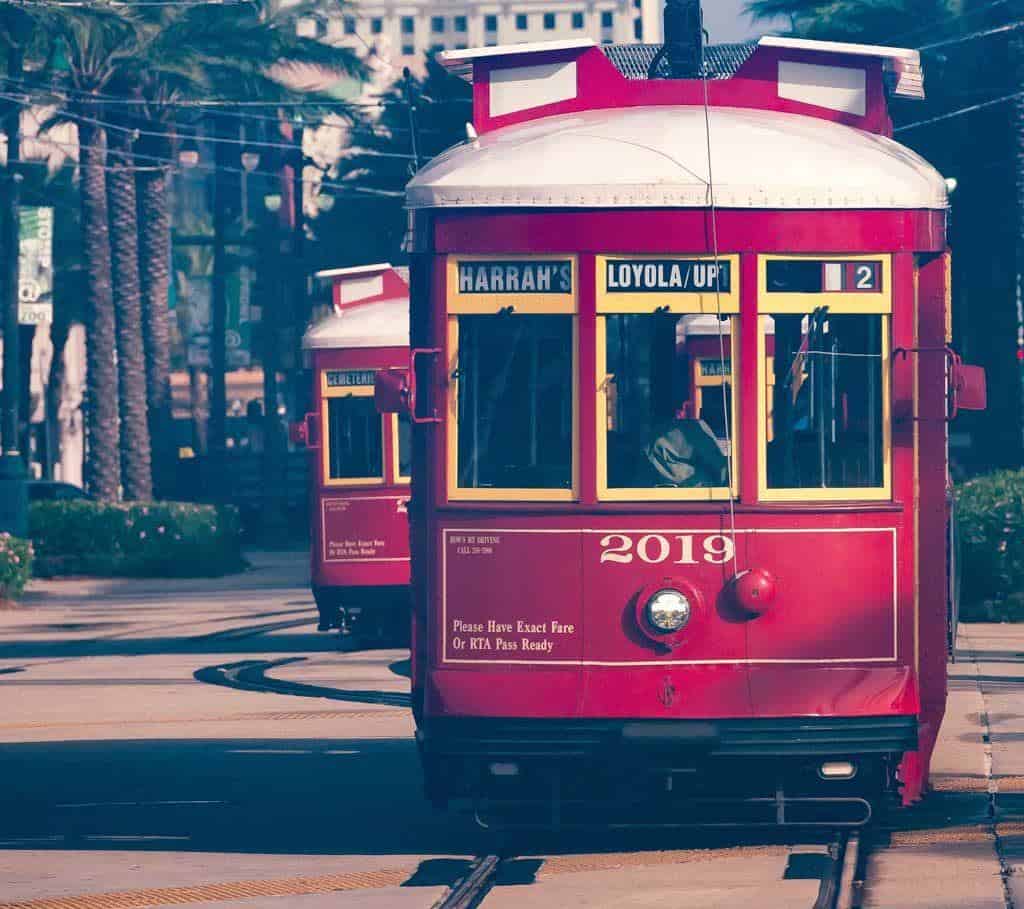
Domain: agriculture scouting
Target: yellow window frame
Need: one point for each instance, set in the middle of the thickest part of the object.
(492, 304)
(352, 391)
(831, 494)
(541, 304)
(839, 303)
(683, 303)
(396, 454)
(661, 494)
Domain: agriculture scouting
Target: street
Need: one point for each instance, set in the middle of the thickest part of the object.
(197, 742)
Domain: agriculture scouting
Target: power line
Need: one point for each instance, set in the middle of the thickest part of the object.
(176, 165)
(955, 17)
(959, 113)
(1000, 29)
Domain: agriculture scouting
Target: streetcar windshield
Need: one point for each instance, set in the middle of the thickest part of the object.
(668, 393)
(515, 401)
(354, 445)
(826, 383)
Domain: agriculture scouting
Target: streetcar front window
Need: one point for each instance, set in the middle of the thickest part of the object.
(514, 402)
(667, 392)
(354, 439)
(826, 382)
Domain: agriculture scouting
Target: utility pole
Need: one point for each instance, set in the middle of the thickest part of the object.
(13, 492)
(218, 321)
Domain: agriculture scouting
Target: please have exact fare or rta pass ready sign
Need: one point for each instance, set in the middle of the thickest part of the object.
(537, 616)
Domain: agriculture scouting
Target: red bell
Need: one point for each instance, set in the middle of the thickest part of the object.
(754, 590)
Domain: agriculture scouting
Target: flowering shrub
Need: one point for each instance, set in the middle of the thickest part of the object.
(991, 519)
(165, 539)
(15, 566)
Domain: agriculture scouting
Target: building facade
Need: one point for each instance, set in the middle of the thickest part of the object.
(403, 33)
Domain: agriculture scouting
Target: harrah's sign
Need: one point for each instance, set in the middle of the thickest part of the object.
(516, 277)
(667, 276)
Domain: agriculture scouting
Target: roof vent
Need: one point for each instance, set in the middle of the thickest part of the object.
(684, 38)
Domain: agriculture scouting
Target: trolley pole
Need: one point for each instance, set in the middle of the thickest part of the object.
(13, 492)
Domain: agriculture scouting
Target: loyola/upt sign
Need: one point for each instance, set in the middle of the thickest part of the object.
(668, 276)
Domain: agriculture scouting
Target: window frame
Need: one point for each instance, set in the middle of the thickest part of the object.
(457, 305)
(398, 479)
(863, 303)
(641, 303)
(350, 391)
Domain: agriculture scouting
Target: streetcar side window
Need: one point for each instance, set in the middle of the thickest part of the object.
(404, 443)
(666, 399)
(353, 435)
(826, 388)
(513, 401)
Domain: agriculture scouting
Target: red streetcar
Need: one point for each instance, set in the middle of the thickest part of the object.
(679, 514)
(359, 459)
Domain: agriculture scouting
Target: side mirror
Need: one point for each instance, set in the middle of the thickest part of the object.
(391, 391)
(970, 389)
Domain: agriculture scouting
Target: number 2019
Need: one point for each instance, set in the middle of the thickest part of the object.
(654, 549)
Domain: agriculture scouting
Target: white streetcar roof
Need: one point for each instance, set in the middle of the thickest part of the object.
(645, 157)
(353, 270)
(381, 324)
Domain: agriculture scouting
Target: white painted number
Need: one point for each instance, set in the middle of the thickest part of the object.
(865, 277)
(654, 549)
(617, 551)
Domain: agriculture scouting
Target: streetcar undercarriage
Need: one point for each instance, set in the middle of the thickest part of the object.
(668, 774)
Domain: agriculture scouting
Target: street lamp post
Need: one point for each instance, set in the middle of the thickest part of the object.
(13, 493)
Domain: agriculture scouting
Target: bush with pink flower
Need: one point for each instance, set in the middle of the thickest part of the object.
(15, 566)
(157, 540)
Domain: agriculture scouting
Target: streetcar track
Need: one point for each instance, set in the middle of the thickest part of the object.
(471, 890)
(250, 675)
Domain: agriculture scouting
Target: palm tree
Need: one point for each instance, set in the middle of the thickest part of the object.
(96, 42)
(136, 473)
(199, 52)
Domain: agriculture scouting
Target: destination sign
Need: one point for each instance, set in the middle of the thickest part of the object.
(673, 276)
(350, 378)
(713, 368)
(816, 276)
(550, 276)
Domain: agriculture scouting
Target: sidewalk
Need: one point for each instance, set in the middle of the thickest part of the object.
(967, 837)
(268, 570)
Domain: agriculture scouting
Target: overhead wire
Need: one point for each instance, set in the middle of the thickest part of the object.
(726, 416)
(949, 20)
(949, 115)
(974, 36)
(176, 165)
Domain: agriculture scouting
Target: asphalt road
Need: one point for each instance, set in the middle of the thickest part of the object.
(198, 742)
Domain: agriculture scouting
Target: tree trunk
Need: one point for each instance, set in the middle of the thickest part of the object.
(154, 217)
(103, 464)
(136, 474)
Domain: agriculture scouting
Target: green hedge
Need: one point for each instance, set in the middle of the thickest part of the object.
(160, 540)
(15, 566)
(991, 519)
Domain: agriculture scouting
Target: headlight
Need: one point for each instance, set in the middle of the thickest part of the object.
(668, 611)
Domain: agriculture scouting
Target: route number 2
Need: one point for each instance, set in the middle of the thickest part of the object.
(653, 548)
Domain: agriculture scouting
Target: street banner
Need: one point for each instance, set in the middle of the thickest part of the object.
(35, 266)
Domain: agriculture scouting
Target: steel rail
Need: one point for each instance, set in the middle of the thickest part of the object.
(842, 887)
(469, 891)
